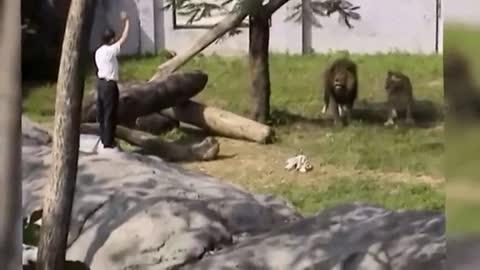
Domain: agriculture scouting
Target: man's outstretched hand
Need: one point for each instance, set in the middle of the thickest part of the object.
(123, 16)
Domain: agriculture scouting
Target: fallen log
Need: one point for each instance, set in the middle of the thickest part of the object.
(141, 99)
(220, 122)
(155, 124)
(206, 150)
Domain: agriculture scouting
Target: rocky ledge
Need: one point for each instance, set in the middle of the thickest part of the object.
(139, 212)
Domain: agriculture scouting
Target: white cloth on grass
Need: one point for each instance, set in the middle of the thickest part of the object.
(299, 163)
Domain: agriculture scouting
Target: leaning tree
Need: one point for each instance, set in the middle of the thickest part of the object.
(58, 200)
(259, 16)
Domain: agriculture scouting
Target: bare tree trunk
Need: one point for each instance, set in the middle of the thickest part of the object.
(306, 27)
(10, 136)
(61, 189)
(259, 69)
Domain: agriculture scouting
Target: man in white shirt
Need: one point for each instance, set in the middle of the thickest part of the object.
(107, 78)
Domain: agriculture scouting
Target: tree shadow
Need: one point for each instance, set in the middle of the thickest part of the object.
(285, 118)
(344, 237)
(426, 114)
(69, 265)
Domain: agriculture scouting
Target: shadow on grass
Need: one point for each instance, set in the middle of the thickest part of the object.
(426, 114)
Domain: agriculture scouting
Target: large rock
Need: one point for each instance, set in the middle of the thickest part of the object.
(463, 252)
(139, 212)
(349, 236)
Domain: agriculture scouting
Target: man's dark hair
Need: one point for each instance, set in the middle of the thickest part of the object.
(108, 36)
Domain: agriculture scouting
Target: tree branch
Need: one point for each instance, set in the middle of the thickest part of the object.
(230, 21)
(273, 5)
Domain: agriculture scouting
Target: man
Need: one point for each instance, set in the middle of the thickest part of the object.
(107, 78)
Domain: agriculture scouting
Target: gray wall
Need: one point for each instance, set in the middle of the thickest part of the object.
(386, 25)
(462, 11)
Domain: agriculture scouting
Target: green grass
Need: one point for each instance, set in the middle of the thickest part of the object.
(295, 84)
(295, 88)
(462, 217)
(374, 148)
(369, 190)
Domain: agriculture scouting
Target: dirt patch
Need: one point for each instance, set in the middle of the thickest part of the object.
(262, 166)
(463, 191)
(255, 166)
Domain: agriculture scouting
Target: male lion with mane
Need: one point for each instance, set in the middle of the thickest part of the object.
(340, 89)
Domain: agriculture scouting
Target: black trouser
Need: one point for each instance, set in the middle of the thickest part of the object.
(107, 106)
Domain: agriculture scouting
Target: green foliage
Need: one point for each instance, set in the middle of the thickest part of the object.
(315, 8)
(31, 231)
(197, 10)
(31, 237)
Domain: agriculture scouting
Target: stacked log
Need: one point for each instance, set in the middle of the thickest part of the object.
(150, 108)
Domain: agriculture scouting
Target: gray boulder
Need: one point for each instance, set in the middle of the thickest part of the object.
(139, 212)
(463, 252)
(345, 237)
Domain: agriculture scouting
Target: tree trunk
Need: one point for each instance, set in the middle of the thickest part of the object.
(259, 69)
(207, 149)
(146, 98)
(61, 189)
(220, 122)
(10, 136)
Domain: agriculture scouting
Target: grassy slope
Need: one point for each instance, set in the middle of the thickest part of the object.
(398, 168)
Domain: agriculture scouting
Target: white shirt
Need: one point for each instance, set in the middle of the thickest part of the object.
(106, 61)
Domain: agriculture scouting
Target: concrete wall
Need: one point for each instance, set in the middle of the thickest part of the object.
(462, 11)
(386, 25)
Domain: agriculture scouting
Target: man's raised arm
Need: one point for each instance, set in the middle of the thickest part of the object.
(126, 25)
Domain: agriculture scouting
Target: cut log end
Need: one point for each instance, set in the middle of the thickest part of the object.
(206, 150)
